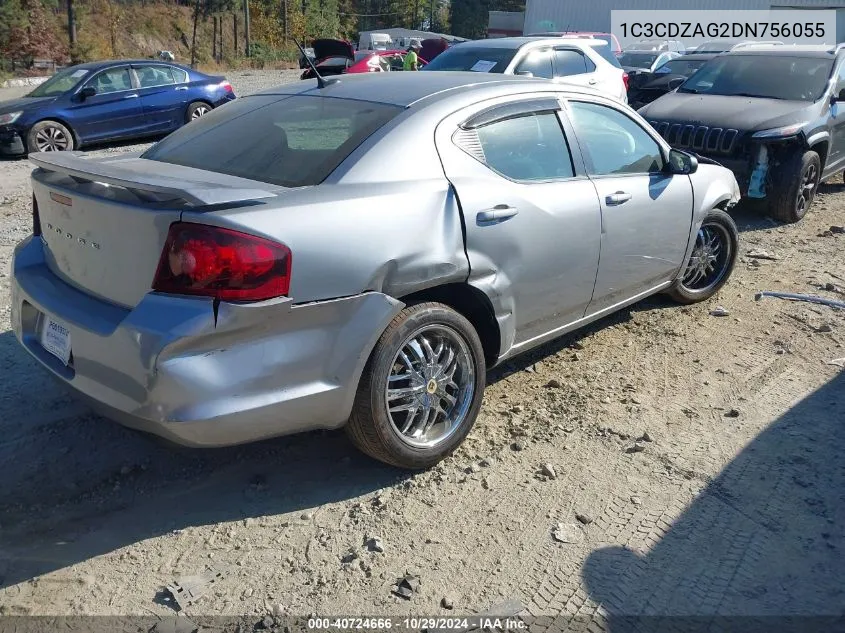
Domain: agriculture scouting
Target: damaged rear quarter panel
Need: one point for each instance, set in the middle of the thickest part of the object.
(390, 237)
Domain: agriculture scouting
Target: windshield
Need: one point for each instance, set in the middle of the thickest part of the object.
(637, 60)
(475, 58)
(767, 77)
(289, 141)
(60, 83)
(680, 67)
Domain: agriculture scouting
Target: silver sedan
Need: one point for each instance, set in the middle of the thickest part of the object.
(356, 254)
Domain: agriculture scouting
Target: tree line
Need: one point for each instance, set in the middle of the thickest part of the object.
(52, 29)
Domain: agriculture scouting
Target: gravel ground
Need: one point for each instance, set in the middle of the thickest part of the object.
(663, 462)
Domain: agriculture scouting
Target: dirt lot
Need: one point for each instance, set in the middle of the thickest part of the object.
(734, 503)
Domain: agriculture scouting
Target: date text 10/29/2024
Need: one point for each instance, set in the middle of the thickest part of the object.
(416, 624)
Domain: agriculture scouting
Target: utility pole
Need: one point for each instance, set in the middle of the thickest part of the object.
(214, 39)
(220, 33)
(246, 26)
(235, 33)
(431, 17)
(71, 26)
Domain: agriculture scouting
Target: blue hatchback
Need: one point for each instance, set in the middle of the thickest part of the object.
(107, 101)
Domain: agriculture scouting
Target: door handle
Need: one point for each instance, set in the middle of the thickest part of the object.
(182, 88)
(593, 82)
(130, 96)
(496, 214)
(620, 197)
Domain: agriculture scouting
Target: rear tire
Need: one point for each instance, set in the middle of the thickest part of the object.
(49, 136)
(196, 110)
(431, 359)
(711, 262)
(795, 187)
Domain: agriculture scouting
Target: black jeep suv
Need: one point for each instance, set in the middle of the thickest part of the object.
(774, 115)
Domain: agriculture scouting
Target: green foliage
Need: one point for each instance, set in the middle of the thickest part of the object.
(31, 29)
(469, 18)
(26, 32)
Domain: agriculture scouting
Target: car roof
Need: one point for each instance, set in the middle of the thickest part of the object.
(119, 62)
(788, 50)
(514, 43)
(407, 89)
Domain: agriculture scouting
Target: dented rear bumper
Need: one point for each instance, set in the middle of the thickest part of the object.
(196, 373)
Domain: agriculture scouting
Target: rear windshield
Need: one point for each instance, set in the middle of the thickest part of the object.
(476, 58)
(289, 141)
(637, 60)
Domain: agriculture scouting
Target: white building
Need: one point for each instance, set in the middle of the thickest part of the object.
(563, 15)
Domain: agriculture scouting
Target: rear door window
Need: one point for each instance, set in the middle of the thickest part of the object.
(538, 63)
(571, 62)
(289, 141)
(152, 76)
(527, 148)
(179, 76)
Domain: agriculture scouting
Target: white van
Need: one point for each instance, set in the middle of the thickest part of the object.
(375, 42)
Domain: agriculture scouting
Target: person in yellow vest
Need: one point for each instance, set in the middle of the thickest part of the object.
(412, 58)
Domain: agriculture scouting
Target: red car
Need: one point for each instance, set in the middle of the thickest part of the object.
(337, 57)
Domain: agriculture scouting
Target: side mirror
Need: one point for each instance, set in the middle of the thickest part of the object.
(524, 73)
(676, 83)
(836, 98)
(681, 163)
(87, 92)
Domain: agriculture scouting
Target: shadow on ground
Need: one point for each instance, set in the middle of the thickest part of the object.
(77, 485)
(766, 538)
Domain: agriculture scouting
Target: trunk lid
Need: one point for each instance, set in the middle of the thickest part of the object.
(333, 48)
(104, 223)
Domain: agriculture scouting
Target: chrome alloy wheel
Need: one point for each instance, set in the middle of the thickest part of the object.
(200, 110)
(431, 386)
(710, 258)
(51, 139)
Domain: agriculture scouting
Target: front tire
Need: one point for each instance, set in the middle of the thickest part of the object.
(712, 259)
(796, 187)
(49, 136)
(196, 110)
(421, 390)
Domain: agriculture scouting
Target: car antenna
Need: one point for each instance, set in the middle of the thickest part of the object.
(322, 82)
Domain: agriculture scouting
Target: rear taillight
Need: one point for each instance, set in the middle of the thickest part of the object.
(226, 86)
(36, 219)
(625, 80)
(213, 262)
